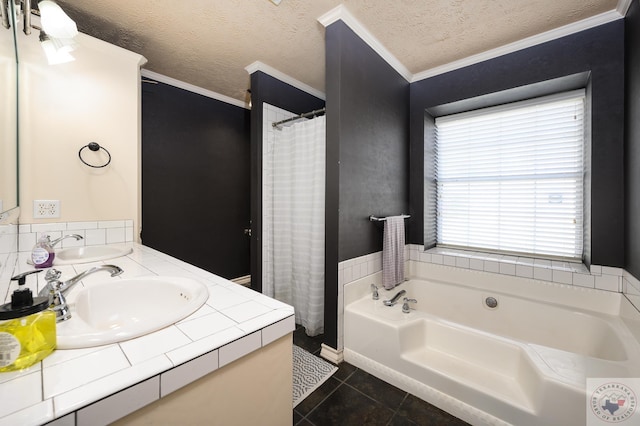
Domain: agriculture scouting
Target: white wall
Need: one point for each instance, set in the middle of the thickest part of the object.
(63, 107)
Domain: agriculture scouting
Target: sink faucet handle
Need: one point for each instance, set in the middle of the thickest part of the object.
(53, 284)
(374, 289)
(405, 306)
(22, 278)
(52, 275)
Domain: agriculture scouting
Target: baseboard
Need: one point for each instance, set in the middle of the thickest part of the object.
(332, 355)
(445, 402)
(245, 281)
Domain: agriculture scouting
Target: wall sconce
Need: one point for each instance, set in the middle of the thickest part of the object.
(57, 31)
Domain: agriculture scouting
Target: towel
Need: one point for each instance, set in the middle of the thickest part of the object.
(393, 252)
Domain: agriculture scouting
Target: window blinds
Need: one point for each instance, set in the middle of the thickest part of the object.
(510, 178)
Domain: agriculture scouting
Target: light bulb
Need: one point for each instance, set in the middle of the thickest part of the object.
(55, 22)
(56, 54)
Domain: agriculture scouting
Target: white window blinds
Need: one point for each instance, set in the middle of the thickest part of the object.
(510, 178)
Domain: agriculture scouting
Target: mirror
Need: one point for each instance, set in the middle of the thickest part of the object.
(8, 116)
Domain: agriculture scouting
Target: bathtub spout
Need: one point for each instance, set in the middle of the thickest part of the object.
(395, 298)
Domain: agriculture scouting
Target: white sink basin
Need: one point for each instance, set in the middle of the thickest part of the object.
(88, 254)
(118, 310)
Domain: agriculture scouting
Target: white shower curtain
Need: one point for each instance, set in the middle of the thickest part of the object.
(298, 221)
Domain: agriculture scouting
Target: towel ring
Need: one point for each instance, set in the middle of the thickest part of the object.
(94, 146)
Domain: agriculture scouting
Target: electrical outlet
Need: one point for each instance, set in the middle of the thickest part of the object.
(44, 209)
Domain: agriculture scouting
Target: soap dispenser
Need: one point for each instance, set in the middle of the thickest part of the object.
(43, 254)
(27, 328)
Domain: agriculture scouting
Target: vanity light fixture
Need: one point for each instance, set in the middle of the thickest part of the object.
(56, 32)
(57, 53)
(55, 22)
(4, 14)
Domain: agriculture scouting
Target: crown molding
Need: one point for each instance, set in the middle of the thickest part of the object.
(261, 66)
(342, 13)
(623, 7)
(192, 88)
(554, 34)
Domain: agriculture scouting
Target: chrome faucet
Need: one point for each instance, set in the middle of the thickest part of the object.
(374, 292)
(405, 306)
(56, 289)
(395, 298)
(57, 240)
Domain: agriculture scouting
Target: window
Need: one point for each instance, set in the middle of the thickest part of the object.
(510, 178)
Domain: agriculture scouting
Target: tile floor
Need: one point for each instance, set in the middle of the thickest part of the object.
(353, 397)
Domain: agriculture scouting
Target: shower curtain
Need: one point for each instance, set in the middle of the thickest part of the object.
(298, 221)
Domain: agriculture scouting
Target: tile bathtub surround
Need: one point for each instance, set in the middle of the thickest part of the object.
(93, 233)
(354, 269)
(577, 274)
(233, 322)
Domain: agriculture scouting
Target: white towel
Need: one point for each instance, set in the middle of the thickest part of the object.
(393, 252)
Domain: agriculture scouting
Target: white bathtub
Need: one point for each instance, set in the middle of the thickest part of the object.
(524, 362)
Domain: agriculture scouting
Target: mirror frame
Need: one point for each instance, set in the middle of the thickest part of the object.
(11, 213)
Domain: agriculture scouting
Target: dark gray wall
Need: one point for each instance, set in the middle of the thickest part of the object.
(195, 179)
(632, 134)
(265, 88)
(367, 153)
(371, 137)
(599, 51)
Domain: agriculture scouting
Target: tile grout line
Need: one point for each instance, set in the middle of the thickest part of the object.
(406, 395)
(320, 403)
(373, 399)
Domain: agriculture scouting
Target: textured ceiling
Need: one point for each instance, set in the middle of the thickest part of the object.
(208, 43)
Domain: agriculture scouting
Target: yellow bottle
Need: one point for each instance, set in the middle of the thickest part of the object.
(27, 328)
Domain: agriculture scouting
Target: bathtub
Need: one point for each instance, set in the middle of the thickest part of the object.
(524, 362)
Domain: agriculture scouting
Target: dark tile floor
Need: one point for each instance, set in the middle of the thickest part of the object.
(354, 397)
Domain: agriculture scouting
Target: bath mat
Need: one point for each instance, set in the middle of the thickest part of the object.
(309, 372)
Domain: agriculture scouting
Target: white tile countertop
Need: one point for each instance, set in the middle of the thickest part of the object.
(234, 322)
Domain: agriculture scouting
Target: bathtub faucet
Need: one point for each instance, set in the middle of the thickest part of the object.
(395, 298)
(405, 306)
(374, 292)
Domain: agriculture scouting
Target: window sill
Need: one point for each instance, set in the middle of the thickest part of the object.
(600, 277)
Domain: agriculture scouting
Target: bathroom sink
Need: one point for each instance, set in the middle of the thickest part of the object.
(88, 254)
(118, 310)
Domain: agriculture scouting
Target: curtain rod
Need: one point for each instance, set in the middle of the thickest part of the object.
(305, 115)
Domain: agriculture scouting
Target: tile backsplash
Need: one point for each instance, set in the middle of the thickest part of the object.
(8, 239)
(92, 232)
